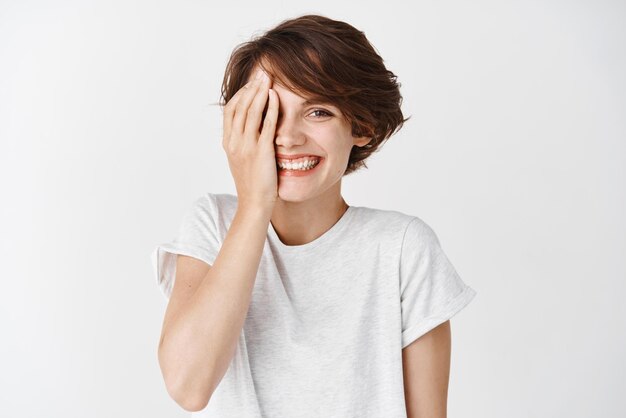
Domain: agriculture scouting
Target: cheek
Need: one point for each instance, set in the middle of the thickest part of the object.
(336, 143)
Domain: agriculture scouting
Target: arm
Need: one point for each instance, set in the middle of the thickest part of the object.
(209, 304)
(426, 367)
(207, 310)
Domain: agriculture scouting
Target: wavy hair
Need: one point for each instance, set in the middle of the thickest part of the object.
(328, 61)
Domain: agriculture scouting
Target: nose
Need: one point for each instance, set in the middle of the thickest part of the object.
(288, 133)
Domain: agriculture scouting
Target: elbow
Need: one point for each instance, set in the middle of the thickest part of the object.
(189, 402)
(184, 394)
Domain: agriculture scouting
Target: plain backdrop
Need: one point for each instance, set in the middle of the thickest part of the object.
(515, 155)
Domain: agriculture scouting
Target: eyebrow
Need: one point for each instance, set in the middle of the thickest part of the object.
(315, 102)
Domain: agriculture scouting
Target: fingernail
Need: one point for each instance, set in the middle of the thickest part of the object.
(259, 74)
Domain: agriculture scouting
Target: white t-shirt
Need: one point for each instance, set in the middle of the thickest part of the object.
(328, 320)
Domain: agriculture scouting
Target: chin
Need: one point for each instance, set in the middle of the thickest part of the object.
(294, 196)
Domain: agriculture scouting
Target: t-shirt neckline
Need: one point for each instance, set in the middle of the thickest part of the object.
(325, 237)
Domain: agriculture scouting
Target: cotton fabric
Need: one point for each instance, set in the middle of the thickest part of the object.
(328, 320)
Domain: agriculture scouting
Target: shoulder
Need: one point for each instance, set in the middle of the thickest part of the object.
(391, 221)
(409, 231)
(420, 234)
(214, 204)
(209, 212)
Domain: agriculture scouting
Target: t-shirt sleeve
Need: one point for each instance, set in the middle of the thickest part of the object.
(197, 237)
(431, 290)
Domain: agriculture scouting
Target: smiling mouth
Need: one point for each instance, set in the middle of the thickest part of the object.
(299, 164)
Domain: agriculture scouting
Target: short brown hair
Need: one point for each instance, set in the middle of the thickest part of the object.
(330, 61)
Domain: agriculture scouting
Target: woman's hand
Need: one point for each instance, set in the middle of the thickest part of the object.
(250, 150)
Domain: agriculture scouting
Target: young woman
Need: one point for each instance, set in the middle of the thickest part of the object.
(284, 300)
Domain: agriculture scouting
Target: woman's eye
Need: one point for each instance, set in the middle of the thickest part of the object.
(323, 112)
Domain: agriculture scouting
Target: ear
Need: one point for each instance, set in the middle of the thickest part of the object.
(362, 141)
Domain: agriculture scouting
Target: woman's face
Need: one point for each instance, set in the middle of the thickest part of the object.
(317, 130)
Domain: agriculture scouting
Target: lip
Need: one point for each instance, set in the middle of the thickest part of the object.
(295, 156)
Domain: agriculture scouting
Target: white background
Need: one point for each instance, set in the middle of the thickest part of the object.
(515, 155)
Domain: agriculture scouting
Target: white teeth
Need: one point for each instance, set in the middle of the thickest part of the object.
(301, 166)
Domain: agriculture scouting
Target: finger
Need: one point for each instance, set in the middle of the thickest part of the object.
(229, 109)
(255, 112)
(241, 108)
(269, 123)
